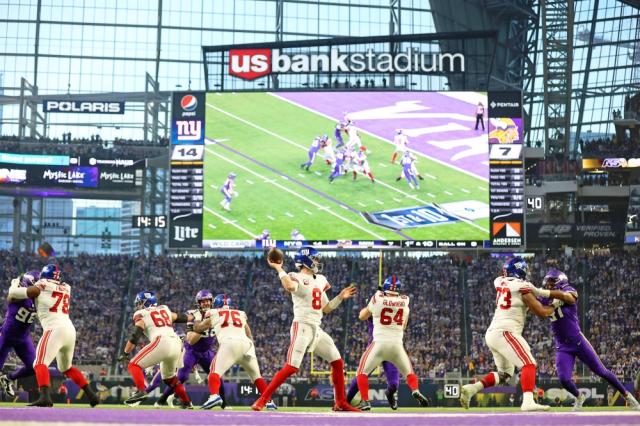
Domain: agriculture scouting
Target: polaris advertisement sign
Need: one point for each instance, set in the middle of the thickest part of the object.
(91, 107)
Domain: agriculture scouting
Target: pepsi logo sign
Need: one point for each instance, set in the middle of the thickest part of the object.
(189, 103)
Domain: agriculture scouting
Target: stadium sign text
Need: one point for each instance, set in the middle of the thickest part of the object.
(250, 64)
(95, 107)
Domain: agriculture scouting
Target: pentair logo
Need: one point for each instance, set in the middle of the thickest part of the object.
(249, 64)
(189, 103)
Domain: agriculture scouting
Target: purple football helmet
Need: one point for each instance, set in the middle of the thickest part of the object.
(203, 296)
(555, 279)
(29, 278)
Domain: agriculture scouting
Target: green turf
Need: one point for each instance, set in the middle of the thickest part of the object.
(281, 141)
(328, 409)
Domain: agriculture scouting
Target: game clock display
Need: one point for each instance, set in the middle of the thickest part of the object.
(347, 170)
(146, 221)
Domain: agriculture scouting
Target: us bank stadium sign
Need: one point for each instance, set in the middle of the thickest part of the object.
(250, 64)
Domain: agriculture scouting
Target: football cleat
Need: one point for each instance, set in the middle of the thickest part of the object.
(422, 400)
(259, 404)
(466, 393)
(271, 406)
(170, 399)
(137, 397)
(344, 406)
(44, 400)
(213, 401)
(364, 405)
(160, 404)
(577, 405)
(7, 385)
(532, 406)
(91, 395)
(632, 402)
(186, 405)
(392, 397)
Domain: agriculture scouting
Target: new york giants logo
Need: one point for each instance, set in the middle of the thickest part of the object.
(189, 130)
(249, 64)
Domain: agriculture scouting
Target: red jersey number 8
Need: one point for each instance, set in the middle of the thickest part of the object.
(161, 318)
(316, 301)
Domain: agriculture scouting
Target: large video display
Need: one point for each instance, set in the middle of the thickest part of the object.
(347, 169)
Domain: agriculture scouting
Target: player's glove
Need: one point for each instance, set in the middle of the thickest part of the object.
(557, 303)
(124, 357)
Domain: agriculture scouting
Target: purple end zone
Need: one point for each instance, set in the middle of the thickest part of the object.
(439, 126)
(181, 417)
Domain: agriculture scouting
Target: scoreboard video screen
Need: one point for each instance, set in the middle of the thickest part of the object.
(350, 169)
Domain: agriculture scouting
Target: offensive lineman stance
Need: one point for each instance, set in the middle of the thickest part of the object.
(52, 298)
(310, 302)
(164, 347)
(197, 345)
(504, 336)
(235, 346)
(390, 313)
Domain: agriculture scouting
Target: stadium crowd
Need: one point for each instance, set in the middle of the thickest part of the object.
(94, 146)
(444, 334)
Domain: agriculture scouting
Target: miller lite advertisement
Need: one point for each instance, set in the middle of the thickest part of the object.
(187, 145)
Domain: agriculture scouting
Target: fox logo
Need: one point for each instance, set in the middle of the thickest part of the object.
(249, 64)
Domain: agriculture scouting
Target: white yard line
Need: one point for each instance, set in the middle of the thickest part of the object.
(448, 193)
(361, 204)
(307, 212)
(288, 214)
(379, 202)
(271, 217)
(294, 193)
(249, 181)
(465, 191)
(251, 220)
(212, 226)
(230, 222)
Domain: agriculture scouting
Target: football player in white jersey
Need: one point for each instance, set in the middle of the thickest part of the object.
(164, 347)
(308, 291)
(401, 141)
(235, 346)
(354, 141)
(515, 296)
(52, 299)
(362, 164)
(390, 312)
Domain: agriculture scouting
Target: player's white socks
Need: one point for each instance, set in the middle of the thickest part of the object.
(527, 398)
(477, 386)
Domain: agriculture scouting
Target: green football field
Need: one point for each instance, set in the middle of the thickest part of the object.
(264, 139)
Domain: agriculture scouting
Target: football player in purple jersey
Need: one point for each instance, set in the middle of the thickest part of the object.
(570, 342)
(16, 334)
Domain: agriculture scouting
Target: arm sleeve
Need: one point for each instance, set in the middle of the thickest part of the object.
(293, 277)
(136, 334)
(181, 318)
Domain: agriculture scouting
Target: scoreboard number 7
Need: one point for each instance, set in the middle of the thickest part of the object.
(187, 153)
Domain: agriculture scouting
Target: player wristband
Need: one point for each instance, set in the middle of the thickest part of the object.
(18, 293)
(544, 292)
(282, 274)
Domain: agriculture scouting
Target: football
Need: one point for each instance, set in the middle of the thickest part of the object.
(275, 255)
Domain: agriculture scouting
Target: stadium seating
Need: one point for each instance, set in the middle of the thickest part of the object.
(444, 334)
